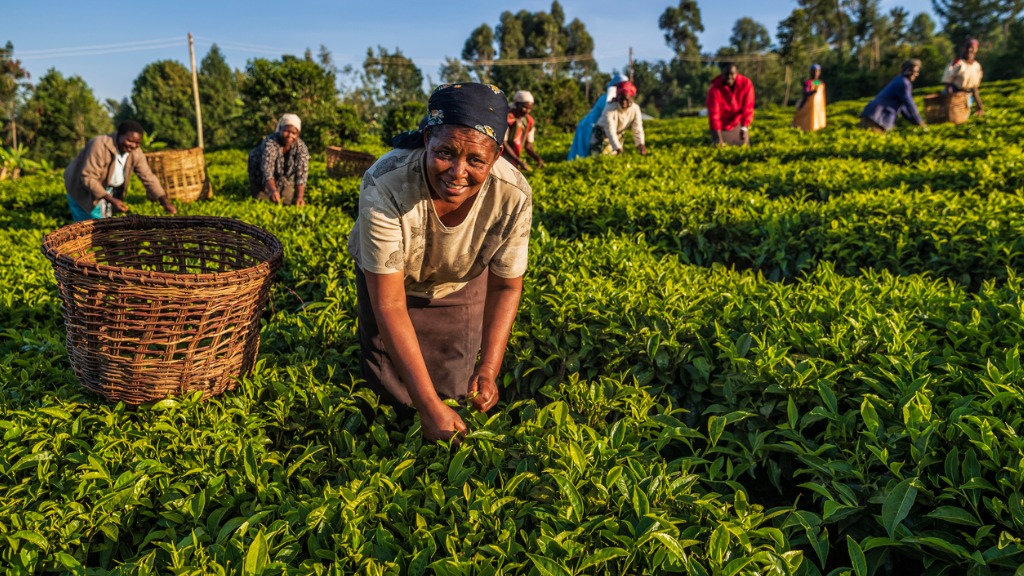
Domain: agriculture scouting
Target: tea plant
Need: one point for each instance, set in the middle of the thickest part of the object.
(798, 358)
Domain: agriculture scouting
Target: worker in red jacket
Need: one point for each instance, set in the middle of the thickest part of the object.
(730, 107)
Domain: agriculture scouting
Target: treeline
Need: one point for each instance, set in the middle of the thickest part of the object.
(859, 45)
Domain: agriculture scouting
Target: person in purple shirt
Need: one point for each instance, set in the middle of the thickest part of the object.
(895, 99)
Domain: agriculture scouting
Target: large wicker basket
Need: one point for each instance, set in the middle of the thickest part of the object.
(342, 163)
(941, 108)
(182, 173)
(162, 305)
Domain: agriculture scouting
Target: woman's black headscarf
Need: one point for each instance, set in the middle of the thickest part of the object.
(482, 107)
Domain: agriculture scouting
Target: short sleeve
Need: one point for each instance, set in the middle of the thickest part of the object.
(381, 248)
(511, 258)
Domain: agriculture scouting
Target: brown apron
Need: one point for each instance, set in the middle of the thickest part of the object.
(449, 331)
(732, 137)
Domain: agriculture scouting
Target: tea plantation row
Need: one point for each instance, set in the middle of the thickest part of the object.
(801, 358)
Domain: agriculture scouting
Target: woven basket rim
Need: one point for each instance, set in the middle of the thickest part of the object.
(355, 153)
(54, 240)
(167, 151)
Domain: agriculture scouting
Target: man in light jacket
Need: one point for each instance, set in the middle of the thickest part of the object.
(97, 178)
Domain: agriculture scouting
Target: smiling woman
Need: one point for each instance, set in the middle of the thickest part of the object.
(440, 247)
(97, 178)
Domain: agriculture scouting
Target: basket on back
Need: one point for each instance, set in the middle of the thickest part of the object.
(182, 173)
(342, 163)
(162, 305)
(941, 108)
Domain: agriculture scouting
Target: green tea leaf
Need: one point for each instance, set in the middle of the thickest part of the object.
(548, 567)
(860, 562)
(954, 515)
(897, 505)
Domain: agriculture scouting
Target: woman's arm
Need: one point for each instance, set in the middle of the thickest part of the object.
(302, 174)
(909, 107)
(387, 299)
(499, 313)
(977, 98)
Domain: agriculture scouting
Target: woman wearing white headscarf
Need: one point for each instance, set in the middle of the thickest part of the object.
(279, 165)
(521, 132)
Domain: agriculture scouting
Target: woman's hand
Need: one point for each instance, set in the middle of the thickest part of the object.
(300, 202)
(119, 205)
(168, 205)
(483, 391)
(440, 422)
(643, 149)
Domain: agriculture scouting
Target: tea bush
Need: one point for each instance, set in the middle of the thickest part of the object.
(798, 358)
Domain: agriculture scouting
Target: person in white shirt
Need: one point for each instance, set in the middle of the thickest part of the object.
(96, 179)
(964, 75)
(618, 116)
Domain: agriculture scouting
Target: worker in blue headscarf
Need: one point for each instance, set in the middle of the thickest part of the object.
(581, 140)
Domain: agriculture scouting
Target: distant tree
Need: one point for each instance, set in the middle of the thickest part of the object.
(1008, 62)
(579, 42)
(480, 47)
(899, 20)
(120, 111)
(404, 117)
(749, 37)
(163, 101)
(560, 103)
(963, 19)
(795, 37)
(391, 79)
(60, 116)
(13, 80)
(219, 97)
(453, 71)
(271, 88)
(827, 19)
(921, 29)
(511, 38)
(681, 25)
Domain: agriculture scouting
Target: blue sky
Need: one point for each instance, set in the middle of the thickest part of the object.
(124, 38)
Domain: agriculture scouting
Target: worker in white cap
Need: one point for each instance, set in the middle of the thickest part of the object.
(521, 132)
(279, 165)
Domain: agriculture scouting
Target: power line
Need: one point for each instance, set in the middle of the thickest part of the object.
(96, 47)
(99, 49)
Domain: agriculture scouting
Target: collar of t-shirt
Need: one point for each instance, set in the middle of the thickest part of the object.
(117, 178)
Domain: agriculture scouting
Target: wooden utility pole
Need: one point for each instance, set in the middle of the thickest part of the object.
(195, 89)
(630, 63)
(789, 81)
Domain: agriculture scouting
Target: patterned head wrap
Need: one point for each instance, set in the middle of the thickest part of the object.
(626, 88)
(972, 42)
(289, 120)
(483, 107)
(815, 67)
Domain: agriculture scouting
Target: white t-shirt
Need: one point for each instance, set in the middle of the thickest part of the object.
(117, 178)
(398, 229)
(963, 75)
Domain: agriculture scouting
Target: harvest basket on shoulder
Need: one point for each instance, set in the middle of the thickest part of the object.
(342, 163)
(941, 108)
(162, 305)
(182, 173)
